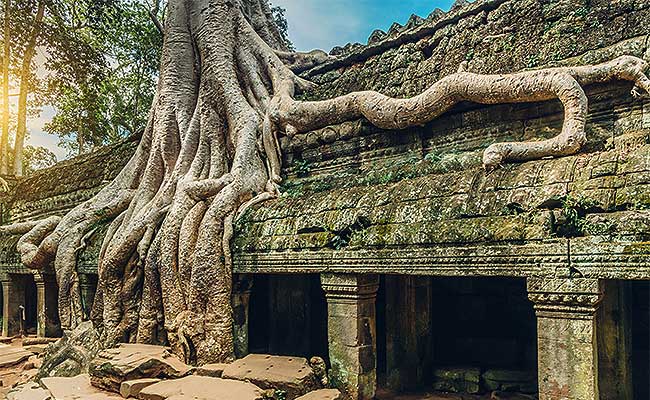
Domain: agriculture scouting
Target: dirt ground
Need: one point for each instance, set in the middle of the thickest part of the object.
(14, 373)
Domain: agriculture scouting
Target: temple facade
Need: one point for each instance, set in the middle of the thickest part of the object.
(395, 257)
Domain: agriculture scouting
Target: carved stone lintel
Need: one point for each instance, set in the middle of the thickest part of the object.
(565, 298)
(349, 286)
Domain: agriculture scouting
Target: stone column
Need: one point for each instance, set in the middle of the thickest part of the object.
(88, 288)
(614, 347)
(241, 293)
(566, 337)
(408, 330)
(47, 313)
(352, 333)
(13, 296)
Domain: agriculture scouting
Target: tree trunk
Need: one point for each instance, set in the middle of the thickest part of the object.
(210, 150)
(21, 130)
(4, 139)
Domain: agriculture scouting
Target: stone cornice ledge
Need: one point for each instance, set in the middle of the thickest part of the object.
(548, 259)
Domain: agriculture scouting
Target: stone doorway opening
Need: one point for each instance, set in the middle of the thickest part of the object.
(463, 335)
(288, 316)
(30, 304)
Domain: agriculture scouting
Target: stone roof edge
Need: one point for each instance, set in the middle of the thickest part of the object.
(416, 29)
(81, 158)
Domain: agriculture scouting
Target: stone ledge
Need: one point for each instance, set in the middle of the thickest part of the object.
(548, 259)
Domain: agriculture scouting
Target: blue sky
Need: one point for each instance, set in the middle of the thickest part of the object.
(313, 24)
(324, 24)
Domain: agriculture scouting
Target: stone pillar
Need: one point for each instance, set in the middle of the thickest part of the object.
(47, 313)
(566, 337)
(87, 288)
(241, 293)
(408, 330)
(614, 347)
(352, 333)
(13, 296)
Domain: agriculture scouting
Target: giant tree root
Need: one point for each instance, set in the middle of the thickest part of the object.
(210, 151)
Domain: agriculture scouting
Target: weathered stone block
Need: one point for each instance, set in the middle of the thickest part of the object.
(76, 388)
(510, 380)
(352, 333)
(29, 391)
(211, 370)
(201, 388)
(134, 387)
(134, 361)
(292, 375)
(322, 394)
(457, 380)
(566, 337)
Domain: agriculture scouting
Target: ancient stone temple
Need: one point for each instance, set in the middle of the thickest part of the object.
(396, 258)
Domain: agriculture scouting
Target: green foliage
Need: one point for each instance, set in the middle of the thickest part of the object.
(470, 55)
(283, 26)
(103, 58)
(301, 168)
(35, 158)
(571, 221)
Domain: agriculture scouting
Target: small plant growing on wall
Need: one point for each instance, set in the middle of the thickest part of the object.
(570, 221)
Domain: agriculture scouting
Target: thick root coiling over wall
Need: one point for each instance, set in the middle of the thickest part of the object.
(211, 150)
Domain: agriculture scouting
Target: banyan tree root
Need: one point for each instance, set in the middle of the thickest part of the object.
(210, 150)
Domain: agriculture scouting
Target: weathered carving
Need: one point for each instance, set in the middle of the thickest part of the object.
(574, 298)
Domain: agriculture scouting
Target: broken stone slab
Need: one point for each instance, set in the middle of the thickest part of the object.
(33, 362)
(195, 387)
(36, 348)
(510, 380)
(322, 394)
(12, 355)
(212, 370)
(31, 341)
(76, 388)
(457, 379)
(134, 361)
(506, 375)
(7, 339)
(29, 391)
(134, 387)
(292, 375)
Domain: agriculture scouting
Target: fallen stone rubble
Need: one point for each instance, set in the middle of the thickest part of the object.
(148, 372)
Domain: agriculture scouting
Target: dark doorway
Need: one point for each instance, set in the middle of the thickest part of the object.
(483, 335)
(30, 304)
(288, 316)
(640, 338)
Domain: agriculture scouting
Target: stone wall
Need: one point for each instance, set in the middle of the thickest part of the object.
(375, 212)
(358, 197)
